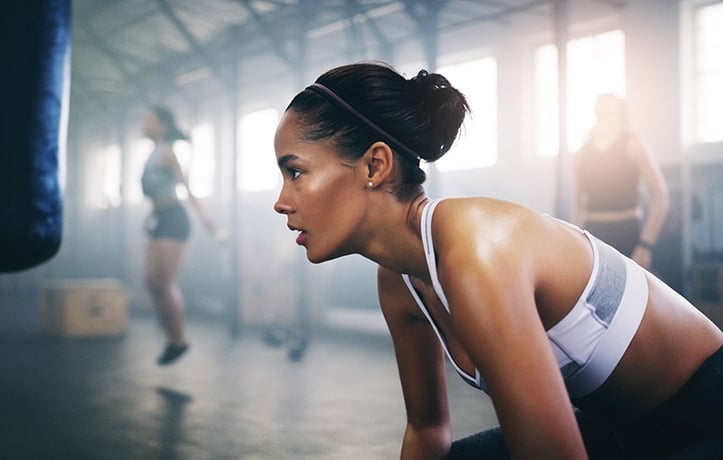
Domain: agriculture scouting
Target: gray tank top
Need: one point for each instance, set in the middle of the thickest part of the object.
(158, 180)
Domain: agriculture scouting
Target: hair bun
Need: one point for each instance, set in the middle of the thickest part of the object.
(425, 81)
(418, 80)
(444, 109)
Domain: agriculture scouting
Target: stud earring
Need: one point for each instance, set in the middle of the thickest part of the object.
(370, 184)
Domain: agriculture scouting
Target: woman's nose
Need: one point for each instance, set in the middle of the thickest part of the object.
(282, 206)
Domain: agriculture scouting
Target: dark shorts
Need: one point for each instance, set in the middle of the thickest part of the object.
(622, 235)
(687, 426)
(169, 222)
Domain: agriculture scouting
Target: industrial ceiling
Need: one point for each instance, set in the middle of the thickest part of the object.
(125, 51)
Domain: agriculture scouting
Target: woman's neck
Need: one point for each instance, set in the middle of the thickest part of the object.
(158, 139)
(605, 134)
(396, 241)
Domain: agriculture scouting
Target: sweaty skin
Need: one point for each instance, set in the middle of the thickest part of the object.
(509, 274)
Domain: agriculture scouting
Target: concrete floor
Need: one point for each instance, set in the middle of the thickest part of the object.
(227, 399)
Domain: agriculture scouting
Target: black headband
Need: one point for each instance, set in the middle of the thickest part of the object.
(332, 97)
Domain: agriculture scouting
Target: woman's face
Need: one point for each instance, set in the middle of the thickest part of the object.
(152, 126)
(608, 109)
(322, 195)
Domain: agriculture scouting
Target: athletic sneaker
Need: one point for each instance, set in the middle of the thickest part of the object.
(171, 353)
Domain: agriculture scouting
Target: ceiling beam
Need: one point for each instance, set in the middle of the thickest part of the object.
(97, 41)
(275, 41)
(501, 14)
(354, 36)
(426, 17)
(371, 23)
(191, 40)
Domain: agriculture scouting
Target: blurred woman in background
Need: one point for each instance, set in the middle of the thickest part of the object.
(609, 169)
(168, 227)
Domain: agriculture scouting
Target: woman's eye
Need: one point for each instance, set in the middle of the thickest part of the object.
(293, 173)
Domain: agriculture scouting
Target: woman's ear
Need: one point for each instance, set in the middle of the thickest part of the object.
(378, 164)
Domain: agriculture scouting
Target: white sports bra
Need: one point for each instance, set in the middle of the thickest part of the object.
(590, 340)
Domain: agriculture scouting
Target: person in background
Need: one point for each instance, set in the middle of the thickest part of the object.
(609, 170)
(168, 228)
(582, 351)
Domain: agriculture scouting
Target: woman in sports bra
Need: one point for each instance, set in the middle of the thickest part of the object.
(582, 351)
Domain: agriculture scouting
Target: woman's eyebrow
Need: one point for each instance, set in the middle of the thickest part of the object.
(284, 160)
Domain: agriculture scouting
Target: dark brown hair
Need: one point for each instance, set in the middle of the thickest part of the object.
(165, 116)
(424, 113)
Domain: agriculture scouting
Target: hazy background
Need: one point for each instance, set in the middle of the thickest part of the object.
(229, 67)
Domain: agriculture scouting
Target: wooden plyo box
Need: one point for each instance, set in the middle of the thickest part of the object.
(84, 308)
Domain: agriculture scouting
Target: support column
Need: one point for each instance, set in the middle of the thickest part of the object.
(232, 257)
(565, 190)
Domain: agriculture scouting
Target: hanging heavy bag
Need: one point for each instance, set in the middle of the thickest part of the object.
(34, 50)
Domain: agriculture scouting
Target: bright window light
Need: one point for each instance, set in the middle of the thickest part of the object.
(595, 65)
(104, 180)
(546, 106)
(708, 80)
(477, 145)
(257, 168)
(202, 168)
(183, 151)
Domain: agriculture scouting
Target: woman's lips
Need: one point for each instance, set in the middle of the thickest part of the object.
(301, 239)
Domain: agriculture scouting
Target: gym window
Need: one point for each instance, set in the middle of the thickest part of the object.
(257, 168)
(707, 76)
(104, 178)
(202, 166)
(197, 160)
(477, 145)
(595, 65)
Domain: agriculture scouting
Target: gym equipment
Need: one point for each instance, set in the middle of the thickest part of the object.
(34, 45)
(295, 339)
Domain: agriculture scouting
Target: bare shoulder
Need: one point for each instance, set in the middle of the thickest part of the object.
(504, 246)
(167, 154)
(486, 225)
(489, 241)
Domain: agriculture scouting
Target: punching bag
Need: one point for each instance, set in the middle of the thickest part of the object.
(34, 63)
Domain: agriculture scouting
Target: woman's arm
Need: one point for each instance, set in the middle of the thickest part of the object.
(490, 284)
(420, 360)
(172, 160)
(655, 182)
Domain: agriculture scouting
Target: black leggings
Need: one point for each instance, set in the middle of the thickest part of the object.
(687, 426)
(600, 441)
